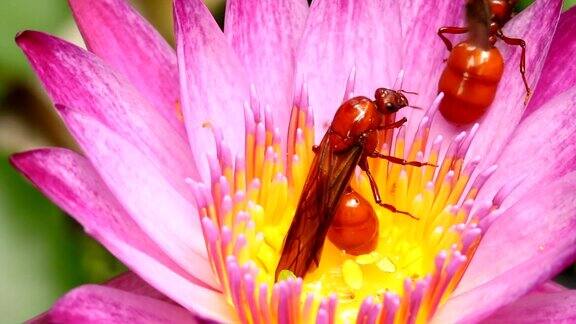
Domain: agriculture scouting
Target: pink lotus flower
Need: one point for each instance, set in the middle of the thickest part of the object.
(197, 206)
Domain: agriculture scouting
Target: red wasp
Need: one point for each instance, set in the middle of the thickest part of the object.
(475, 66)
(327, 198)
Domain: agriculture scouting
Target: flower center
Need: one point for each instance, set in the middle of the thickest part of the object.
(249, 206)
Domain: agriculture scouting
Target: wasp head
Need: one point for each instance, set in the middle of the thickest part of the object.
(389, 101)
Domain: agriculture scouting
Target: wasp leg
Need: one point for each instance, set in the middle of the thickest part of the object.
(522, 44)
(376, 193)
(450, 30)
(396, 124)
(396, 160)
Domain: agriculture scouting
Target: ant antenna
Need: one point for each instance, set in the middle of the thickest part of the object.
(416, 107)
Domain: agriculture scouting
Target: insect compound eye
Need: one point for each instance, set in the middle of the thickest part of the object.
(404, 102)
(391, 107)
(380, 92)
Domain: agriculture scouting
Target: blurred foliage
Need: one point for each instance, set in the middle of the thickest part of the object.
(17, 15)
(96, 264)
(39, 260)
(43, 252)
(569, 3)
(159, 13)
(525, 3)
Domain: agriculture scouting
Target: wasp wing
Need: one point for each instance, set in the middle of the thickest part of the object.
(327, 179)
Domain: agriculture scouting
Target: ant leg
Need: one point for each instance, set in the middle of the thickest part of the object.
(450, 30)
(519, 42)
(396, 160)
(364, 166)
(315, 148)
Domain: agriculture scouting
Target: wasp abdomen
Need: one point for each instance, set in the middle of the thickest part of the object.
(354, 228)
(469, 82)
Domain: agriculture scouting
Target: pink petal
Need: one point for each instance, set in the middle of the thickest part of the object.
(78, 79)
(265, 36)
(557, 307)
(113, 30)
(204, 302)
(528, 244)
(212, 82)
(71, 182)
(423, 51)
(557, 76)
(99, 304)
(199, 300)
(541, 149)
(132, 283)
(536, 25)
(164, 215)
(341, 35)
(549, 287)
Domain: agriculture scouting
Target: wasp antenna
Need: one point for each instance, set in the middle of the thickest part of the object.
(399, 80)
(408, 92)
